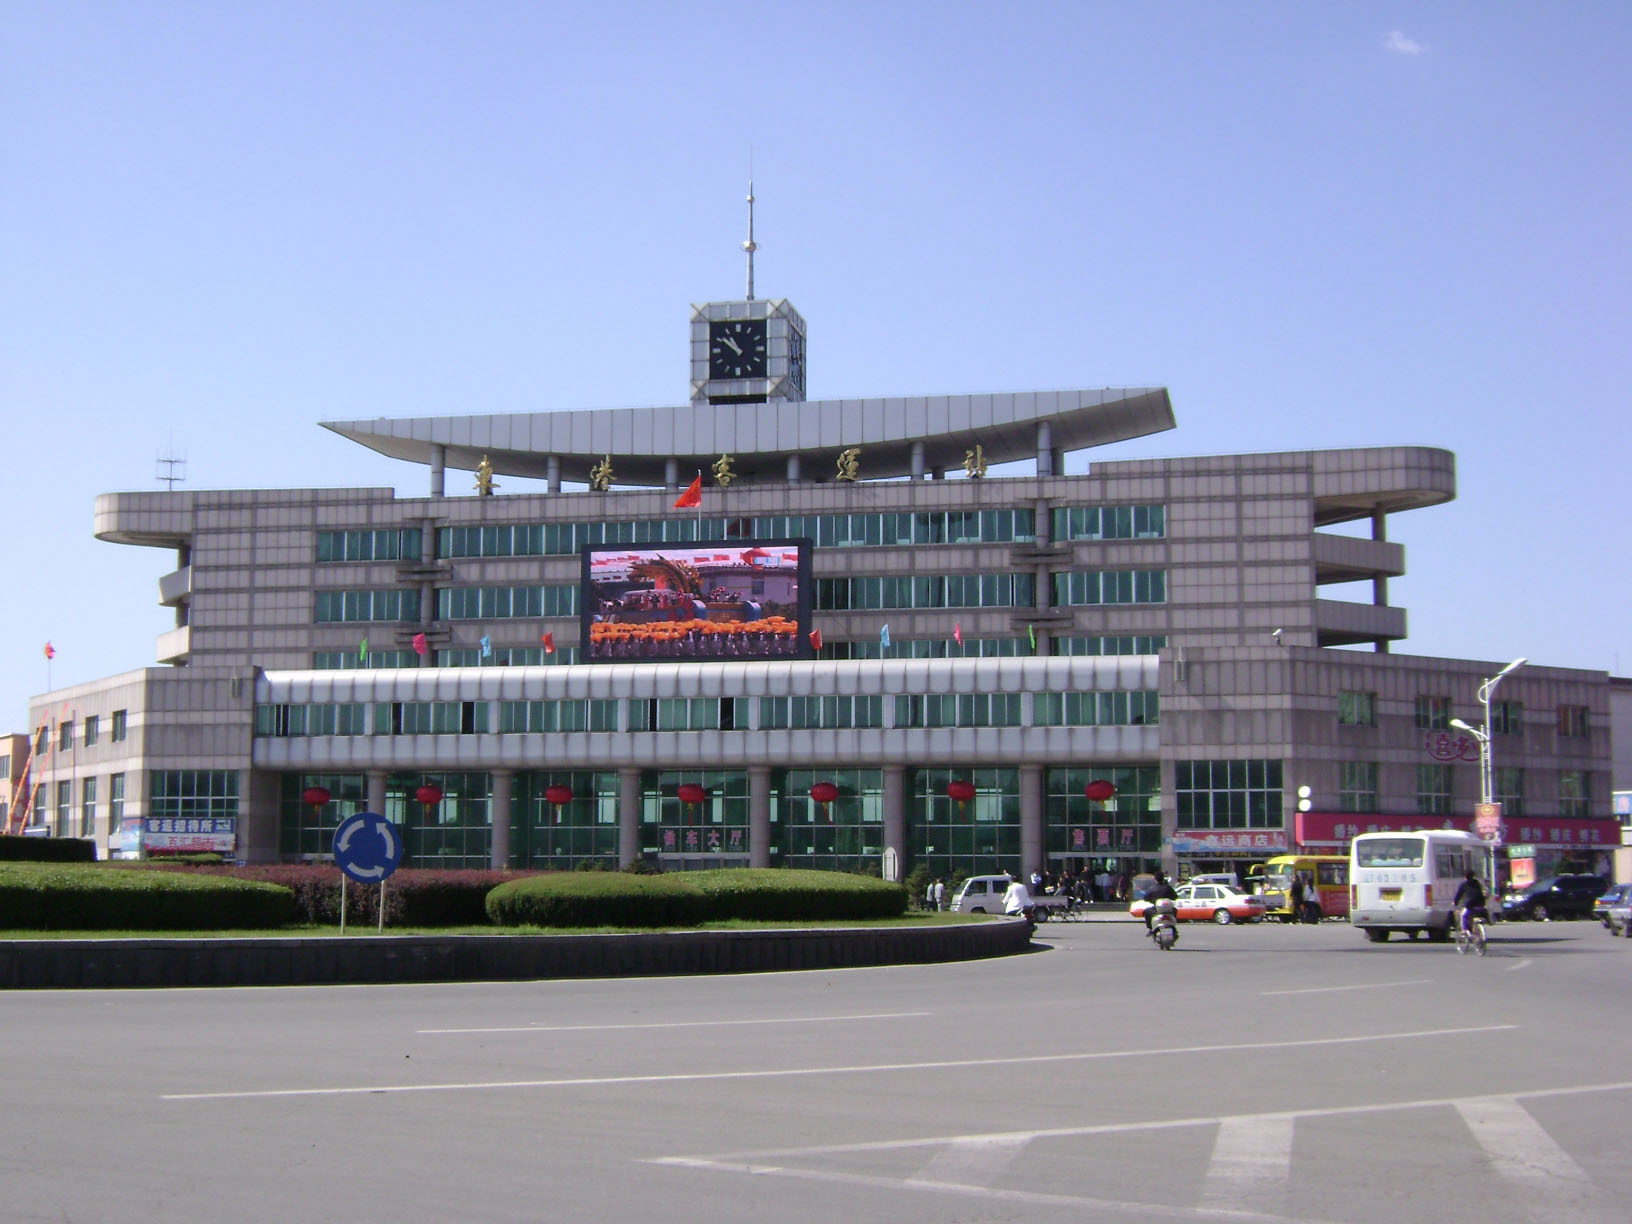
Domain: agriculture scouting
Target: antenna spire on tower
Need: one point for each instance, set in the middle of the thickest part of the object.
(750, 246)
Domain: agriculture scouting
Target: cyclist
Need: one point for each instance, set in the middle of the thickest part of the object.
(1470, 902)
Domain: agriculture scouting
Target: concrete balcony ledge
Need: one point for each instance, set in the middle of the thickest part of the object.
(57, 964)
(1340, 558)
(176, 587)
(176, 646)
(1341, 623)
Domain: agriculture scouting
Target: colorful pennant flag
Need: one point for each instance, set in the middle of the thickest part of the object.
(549, 643)
(693, 496)
(815, 639)
(1032, 629)
(884, 635)
(362, 652)
(50, 651)
(487, 646)
(957, 632)
(421, 648)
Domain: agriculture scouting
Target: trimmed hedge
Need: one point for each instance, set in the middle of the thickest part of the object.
(414, 897)
(46, 849)
(41, 897)
(692, 897)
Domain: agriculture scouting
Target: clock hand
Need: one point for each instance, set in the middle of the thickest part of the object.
(735, 347)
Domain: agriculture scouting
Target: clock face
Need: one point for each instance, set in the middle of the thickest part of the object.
(736, 348)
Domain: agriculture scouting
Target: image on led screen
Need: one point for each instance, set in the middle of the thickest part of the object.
(742, 599)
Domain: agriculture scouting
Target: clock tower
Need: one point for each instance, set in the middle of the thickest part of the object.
(747, 352)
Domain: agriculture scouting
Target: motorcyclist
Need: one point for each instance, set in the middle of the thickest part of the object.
(1163, 888)
(1470, 901)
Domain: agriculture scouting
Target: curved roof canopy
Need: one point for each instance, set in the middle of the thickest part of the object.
(760, 438)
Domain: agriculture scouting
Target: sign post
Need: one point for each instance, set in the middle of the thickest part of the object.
(367, 848)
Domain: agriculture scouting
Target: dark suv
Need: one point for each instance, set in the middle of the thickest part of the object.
(1564, 896)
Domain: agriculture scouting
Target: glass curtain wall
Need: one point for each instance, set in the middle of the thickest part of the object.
(978, 836)
(687, 836)
(306, 832)
(456, 832)
(844, 835)
(566, 837)
(1121, 833)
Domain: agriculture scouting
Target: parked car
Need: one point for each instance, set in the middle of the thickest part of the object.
(1616, 895)
(1619, 919)
(1562, 896)
(1210, 902)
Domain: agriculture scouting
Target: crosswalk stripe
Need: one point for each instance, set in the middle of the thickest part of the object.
(972, 1162)
(1520, 1148)
(1251, 1161)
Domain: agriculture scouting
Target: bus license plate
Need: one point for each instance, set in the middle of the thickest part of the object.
(1390, 894)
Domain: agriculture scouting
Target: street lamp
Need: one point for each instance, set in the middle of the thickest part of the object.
(1487, 774)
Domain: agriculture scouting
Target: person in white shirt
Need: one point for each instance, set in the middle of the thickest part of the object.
(1017, 899)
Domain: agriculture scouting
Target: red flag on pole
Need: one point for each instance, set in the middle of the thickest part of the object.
(50, 651)
(957, 632)
(693, 496)
(420, 646)
(549, 643)
(815, 639)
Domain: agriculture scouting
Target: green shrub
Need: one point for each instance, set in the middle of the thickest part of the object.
(46, 849)
(599, 898)
(687, 898)
(76, 897)
(414, 897)
(791, 894)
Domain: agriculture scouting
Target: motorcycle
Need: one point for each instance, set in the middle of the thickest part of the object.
(1164, 927)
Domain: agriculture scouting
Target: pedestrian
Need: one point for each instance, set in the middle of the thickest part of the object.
(929, 896)
(940, 892)
(1295, 898)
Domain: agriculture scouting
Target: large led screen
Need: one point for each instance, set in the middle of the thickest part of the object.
(746, 599)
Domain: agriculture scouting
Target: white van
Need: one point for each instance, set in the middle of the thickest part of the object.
(1407, 881)
(981, 894)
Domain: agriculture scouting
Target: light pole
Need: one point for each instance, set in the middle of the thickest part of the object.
(1487, 773)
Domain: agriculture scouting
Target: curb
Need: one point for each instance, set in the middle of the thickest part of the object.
(102, 964)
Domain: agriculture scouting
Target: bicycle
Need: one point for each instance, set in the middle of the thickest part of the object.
(1473, 937)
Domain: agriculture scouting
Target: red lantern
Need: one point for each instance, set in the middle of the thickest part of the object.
(558, 796)
(317, 796)
(430, 796)
(960, 789)
(1099, 790)
(824, 793)
(690, 792)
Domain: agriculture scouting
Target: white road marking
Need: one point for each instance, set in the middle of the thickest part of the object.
(1522, 963)
(858, 1069)
(971, 1162)
(675, 1024)
(1252, 1161)
(1129, 1128)
(1333, 989)
(1105, 1208)
(1522, 1151)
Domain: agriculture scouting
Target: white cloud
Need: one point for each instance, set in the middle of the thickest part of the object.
(1402, 44)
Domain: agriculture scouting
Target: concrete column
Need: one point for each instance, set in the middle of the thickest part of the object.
(375, 780)
(499, 811)
(552, 473)
(628, 816)
(917, 460)
(793, 469)
(1379, 584)
(439, 459)
(895, 816)
(1045, 449)
(759, 816)
(1032, 841)
(671, 474)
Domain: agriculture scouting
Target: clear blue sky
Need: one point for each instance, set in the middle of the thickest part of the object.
(1319, 225)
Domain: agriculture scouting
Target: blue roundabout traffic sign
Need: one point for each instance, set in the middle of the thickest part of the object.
(367, 847)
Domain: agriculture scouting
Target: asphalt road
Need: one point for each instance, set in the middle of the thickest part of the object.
(1253, 1074)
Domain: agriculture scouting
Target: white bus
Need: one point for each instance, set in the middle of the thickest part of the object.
(1407, 881)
